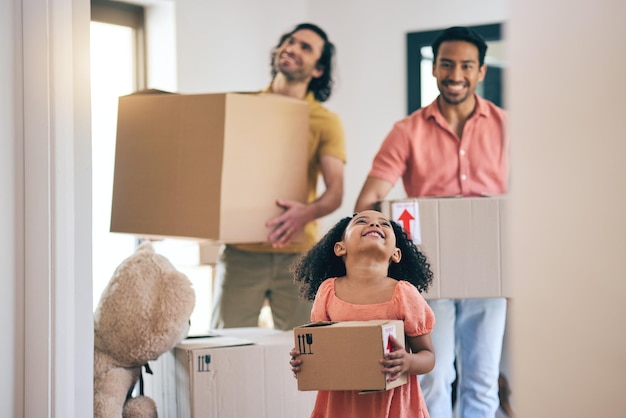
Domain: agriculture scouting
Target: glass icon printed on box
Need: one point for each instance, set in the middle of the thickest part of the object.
(203, 363)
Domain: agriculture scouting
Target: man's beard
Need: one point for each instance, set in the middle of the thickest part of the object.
(453, 100)
(293, 76)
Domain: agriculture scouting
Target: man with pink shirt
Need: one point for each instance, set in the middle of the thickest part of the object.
(455, 146)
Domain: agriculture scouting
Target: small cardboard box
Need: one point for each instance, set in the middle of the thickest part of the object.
(345, 355)
(243, 373)
(464, 240)
(207, 166)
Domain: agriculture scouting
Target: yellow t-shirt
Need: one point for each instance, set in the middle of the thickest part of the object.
(326, 137)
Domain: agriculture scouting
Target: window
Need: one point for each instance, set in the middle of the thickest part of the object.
(116, 69)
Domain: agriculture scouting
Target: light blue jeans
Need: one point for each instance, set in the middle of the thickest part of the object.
(470, 331)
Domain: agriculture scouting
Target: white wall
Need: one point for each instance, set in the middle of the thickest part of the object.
(161, 44)
(225, 46)
(11, 253)
(45, 213)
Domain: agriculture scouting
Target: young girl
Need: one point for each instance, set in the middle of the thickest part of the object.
(366, 268)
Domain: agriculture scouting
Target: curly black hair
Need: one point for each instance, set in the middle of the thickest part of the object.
(322, 86)
(321, 263)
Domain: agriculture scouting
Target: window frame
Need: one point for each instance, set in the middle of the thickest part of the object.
(130, 15)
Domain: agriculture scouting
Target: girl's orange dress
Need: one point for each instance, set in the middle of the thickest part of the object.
(405, 401)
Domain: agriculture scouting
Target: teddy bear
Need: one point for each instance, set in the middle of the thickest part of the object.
(143, 312)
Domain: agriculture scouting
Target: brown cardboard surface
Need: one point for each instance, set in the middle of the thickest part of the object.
(207, 166)
(345, 355)
(464, 240)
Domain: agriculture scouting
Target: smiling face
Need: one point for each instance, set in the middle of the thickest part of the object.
(296, 58)
(458, 71)
(369, 231)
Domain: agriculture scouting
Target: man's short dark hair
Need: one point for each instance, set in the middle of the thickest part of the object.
(323, 85)
(461, 33)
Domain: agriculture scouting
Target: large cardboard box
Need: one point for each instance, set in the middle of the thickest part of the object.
(243, 373)
(345, 355)
(464, 240)
(207, 166)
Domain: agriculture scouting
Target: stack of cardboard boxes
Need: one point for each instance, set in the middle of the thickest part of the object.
(241, 373)
(245, 372)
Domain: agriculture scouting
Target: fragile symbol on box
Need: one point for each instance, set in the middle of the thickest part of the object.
(387, 331)
(305, 341)
(407, 215)
(203, 363)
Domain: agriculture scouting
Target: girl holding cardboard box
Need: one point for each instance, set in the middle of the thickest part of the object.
(366, 268)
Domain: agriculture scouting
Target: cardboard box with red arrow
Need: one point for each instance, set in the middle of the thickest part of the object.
(464, 239)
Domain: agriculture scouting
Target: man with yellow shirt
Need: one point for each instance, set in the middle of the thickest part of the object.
(247, 275)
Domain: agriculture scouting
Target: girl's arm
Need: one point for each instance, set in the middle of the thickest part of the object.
(420, 360)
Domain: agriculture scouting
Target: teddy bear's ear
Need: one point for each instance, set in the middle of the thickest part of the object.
(145, 246)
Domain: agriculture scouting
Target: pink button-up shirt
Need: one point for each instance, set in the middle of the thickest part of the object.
(432, 161)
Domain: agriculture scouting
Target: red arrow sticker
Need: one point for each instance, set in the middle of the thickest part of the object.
(405, 218)
(406, 213)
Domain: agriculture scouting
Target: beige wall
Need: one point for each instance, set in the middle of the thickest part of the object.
(567, 111)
